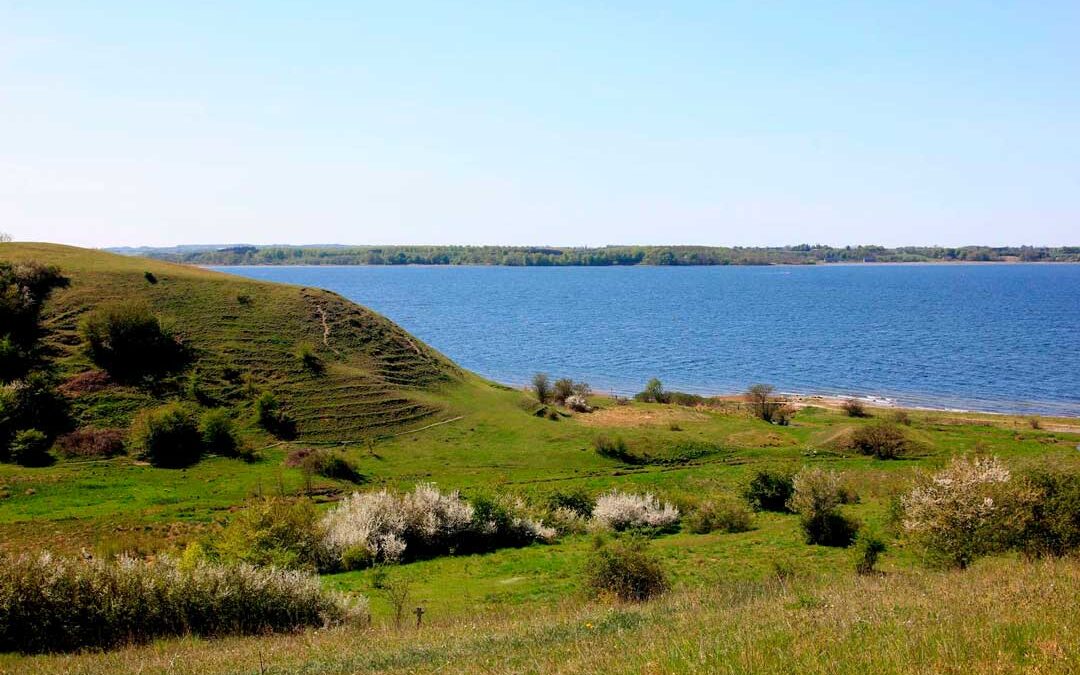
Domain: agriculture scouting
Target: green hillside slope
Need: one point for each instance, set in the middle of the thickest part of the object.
(246, 334)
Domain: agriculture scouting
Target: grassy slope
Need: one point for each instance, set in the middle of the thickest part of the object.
(496, 445)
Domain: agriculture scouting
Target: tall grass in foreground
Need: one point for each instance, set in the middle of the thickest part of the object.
(56, 604)
(1001, 616)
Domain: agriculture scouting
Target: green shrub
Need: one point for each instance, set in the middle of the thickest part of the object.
(356, 558)
(219, 433)
(770, 490)
(167, 436)
(1050, 522)
(868, 548)
(816, 498)
(884, 440)
(275, 531)
(50, 604)
(129, 342)
(653, 393)
(625, 569)
(577, 500)
(35, 403)
(719, 515)
(30, 447)
(320, 462)
(854, 408)
(271, 417)
(24, 288)
(562, 389)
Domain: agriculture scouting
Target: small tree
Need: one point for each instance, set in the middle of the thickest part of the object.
(563, 389)
(854, 408)
(868, 548)
(167, 436)
(762, 403)
(957, 515)
(1051, 520)
(817, 497)
(271, 417)
(653, 392)
(542, 386)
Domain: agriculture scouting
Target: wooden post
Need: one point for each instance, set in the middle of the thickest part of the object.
(419, 612)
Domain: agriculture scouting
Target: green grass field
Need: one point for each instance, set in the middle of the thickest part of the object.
(404, 414)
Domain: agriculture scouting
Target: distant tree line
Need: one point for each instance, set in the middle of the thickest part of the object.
(531, 256)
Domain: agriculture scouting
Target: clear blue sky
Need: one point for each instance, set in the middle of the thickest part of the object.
(540, 123)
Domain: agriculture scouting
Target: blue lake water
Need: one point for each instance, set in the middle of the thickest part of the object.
(981, 337)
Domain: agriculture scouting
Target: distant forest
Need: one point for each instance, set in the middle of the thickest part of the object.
(804, 254)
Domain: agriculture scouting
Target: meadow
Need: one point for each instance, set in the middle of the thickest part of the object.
(760, 600)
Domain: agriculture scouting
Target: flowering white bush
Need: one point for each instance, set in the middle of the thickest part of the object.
(956, 514)
(621, 510)
(425, 520)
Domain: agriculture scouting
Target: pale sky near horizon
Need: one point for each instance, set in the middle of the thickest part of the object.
(588, 123)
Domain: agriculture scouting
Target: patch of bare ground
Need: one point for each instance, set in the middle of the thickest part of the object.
(633, 416)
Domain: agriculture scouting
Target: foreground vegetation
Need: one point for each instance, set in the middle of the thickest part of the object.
(608, 255)
(1000, 616)
(767, 534)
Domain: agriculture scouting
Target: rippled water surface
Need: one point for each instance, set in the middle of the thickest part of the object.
(986, 337)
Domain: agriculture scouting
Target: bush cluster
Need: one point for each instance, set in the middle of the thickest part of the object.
(653, 393)
(167, 436)
(270, 415)
(623, 511)
(91, 443)
(55, 604)
(719, 515)
(816, 497)
(322, 462)
(884, 440)
(275, 531)
(626, 570)
(391, 527)
(128, 341)
(770, 490)
(767, 407)
(615, 448)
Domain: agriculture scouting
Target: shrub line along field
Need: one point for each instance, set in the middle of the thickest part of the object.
(374, 409)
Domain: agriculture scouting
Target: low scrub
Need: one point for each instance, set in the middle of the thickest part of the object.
(322, 462)
(770, 490)
(30, 447)
(270, 415)
(817, 497)
(626, 570)
(624, 511)
(1050, 524)
(56, 604)
(884, 440)
(278, 532)
(218, 432)
(853, 407)
(90, 443)
(167, 436)
(393, 527)
(719, 516)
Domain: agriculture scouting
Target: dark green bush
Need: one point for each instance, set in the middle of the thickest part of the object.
(36, 404)
(271, 417)
(129, 342)
(321, 462)
(1050, 522)
(884, 440)
(816, 497)
(577, 500)
(167, 436)
(24, 288)
(309, 359)
(653, 393)
(770, 490)
(854, 408)
(30, 447)
(219, 432)
(541, 385)
(625, 569)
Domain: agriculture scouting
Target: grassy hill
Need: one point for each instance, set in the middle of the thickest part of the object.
(248, 333)
(751, 601)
